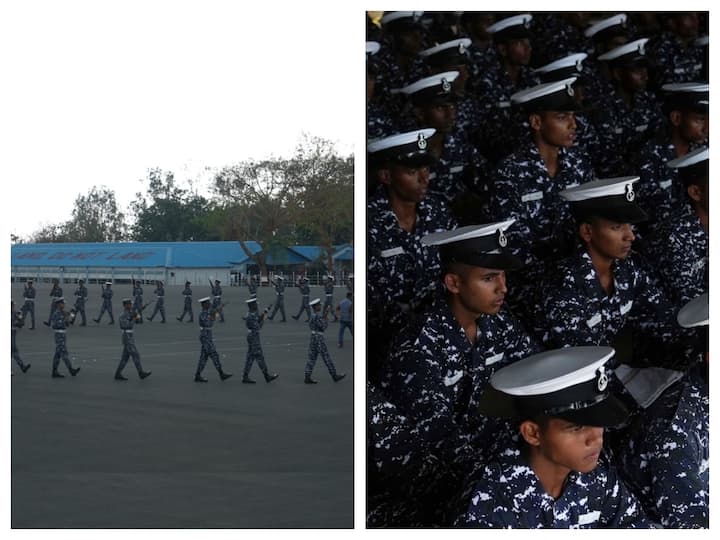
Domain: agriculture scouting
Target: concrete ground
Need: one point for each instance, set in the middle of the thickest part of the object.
(166, 452)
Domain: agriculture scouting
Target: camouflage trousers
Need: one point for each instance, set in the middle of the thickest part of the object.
(106, 306)
(279, 305)
(60, 352)
(254, 354)
(208, 351)
(129, 351)
(29, 307)
(80, 308)
(328, 307)
(159, 306)
(318, 347)
(305, 306)
(187, 309)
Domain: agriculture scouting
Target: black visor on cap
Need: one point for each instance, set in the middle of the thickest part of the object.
(557, 101)
(607, 413)
(433, 96)
(405, 24)
(512, 33)
(561, 74)
(616, 208)
(630, 61)
(686, 101)
(698, 173)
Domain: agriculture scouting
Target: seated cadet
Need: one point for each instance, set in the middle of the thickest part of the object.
(557, 475)
(440, 367)
(629, 114)
(379, 122)
(601, 293)
(664, 457)
(454, 56)
(498, 82)
(586, 138)
(606, 35)
(676, 54)
(686, 108)
(403, 274)
(681, 242)
(474, 25)
(527, 182)
(459, 172)
(397, 61)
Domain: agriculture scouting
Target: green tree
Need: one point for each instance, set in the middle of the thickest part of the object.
(96, 218)
(49, 234)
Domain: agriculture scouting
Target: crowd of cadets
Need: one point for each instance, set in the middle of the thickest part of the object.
(537, 182)
(60, 320)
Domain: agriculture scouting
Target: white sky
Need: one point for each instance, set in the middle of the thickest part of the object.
(101, 91)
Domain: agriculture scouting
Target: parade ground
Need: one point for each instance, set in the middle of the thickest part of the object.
(167, 452)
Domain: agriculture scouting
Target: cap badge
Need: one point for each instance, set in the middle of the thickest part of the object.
(602, 380)
(641, 49)
(422, 143)
(629, 193)
(570, 90)
(446, 85)
(578, 66)
(461, 48)
(526, 23)
(416, 16)
(502, 239)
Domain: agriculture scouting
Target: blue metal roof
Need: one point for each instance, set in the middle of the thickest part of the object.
(309, 253)
(132, 254)
(346, 253)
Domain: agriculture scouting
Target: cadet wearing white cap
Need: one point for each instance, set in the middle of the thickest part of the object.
(254, 322)
(279, 283)
(138, 300)
(304, 289)
(628, 115)
(187, 302)
(159, 302)
(402, 272)
(207, 345)
(664, 455)
(677, 55)
(59, 323)
(81, 293)
(481, 51)
(28, 306)
(127, 320)
(440, 367)
(107, 294)
(686, 108)
(216, 293)
(460, 171)
(606, 34)
(601, 293)
(511, 37)
(557, 476)
(318, 324)
(55, 293)
(328, 304)
(679, 245)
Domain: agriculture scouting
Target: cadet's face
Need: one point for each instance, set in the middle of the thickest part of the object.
(481, 290)
(634, 79)
(518, 52)
(694, 127)
(440, 116)
(686, 25)
(609, 239)
(556, 128)
(571, 446)
(409, 184)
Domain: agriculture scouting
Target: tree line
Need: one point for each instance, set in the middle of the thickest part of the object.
(305, 199)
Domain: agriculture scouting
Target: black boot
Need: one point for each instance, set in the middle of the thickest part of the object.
(247, 380)
(308, 380)
(200, 378)
(271, 377)
(97, 320)
(25, 368)
(144, 374)
(225, 376)
(179, 319)
(74, 371)
(120, 377)
(295, 317)
(339, 377)
(57, 375)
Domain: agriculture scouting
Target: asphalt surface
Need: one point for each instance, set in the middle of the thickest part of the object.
(166, 452)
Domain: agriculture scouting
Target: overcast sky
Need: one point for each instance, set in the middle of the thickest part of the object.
(96, 93)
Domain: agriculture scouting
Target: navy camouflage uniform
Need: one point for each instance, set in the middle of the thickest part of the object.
(29, 304)
(16, 322)
(80, 297)
(623, 130)
(279, 299)
(403, 274)
(207, 345)
(159, 303)
(57, 323)
(127, 321)
(328, 305)
(680, 245)
(187, 303)
(55, 292)
(389, 75)
(254, 322)
(107, 295)
(379, 122)
(318, 324)
(138, 301)
(304, 305)
(252, 286)
(216, 293)
(506, 493)
(675, 62)
(665, 459)
(577, 311)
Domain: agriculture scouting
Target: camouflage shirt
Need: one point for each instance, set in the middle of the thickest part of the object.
(675, 62)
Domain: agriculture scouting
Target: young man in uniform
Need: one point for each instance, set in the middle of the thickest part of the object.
(56, 292)
(207, 345)
(318, 324)
(29, 303)
(187, 303)
(556, 476)
(328, 305)
(305, 303)
(127, 319)
(345, 308)
(80, 298)
(107, 295)
(159, 302)
(58, 323)
(254, 323)
(279, 284)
